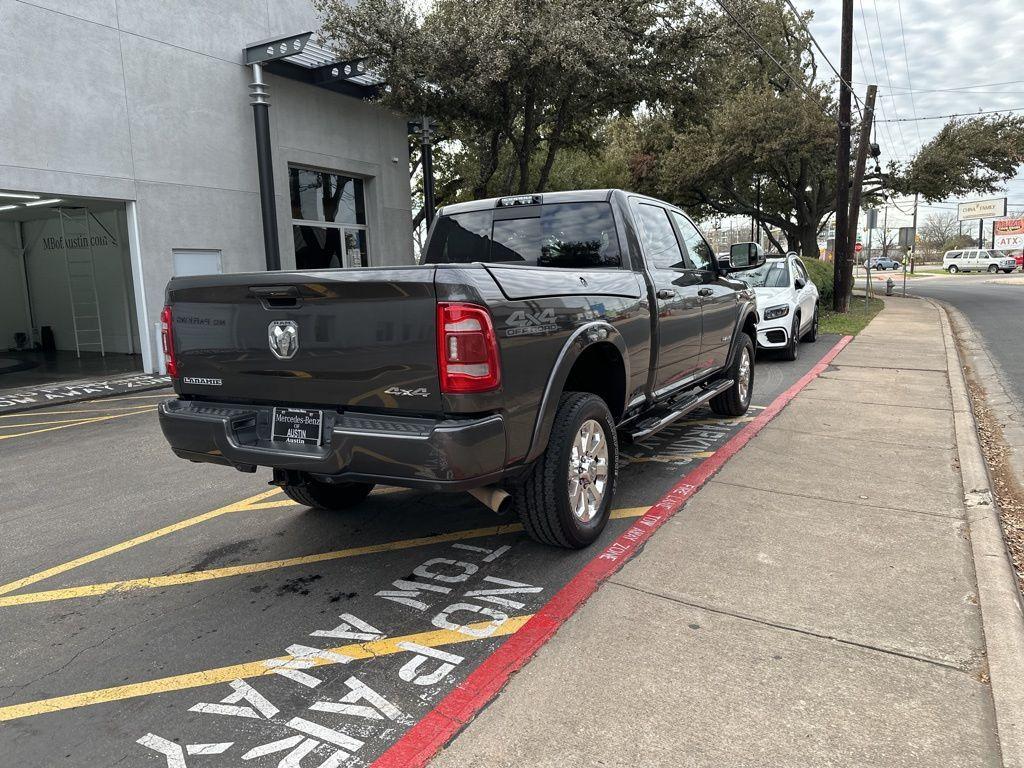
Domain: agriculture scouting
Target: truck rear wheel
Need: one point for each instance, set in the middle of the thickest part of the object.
(331, 496)
(566, 498)
(736, 399)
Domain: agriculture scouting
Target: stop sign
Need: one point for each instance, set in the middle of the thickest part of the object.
(858, 248)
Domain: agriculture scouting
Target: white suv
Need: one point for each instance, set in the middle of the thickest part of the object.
(977, 260)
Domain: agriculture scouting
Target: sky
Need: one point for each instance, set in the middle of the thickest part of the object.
(942, 57)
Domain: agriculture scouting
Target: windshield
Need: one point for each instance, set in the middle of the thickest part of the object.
(577, 235)
(772, 274)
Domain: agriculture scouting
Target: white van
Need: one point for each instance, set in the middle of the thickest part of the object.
(977, 260)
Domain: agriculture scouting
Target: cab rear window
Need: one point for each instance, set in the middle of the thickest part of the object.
(576, 235)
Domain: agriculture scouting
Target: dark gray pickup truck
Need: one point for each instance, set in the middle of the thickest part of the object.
(538, 330)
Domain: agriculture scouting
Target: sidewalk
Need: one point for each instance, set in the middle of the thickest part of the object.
(814, 604)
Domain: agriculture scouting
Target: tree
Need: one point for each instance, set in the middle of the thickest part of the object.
(969, 155)
(516, 82)
(938, 229)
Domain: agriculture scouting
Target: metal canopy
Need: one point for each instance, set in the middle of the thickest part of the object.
(298, 58)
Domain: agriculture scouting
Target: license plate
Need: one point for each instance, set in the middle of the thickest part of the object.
(297, 426)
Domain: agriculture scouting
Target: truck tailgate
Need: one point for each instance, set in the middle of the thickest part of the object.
(352, 336)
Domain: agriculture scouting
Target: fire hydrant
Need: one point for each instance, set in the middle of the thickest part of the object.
(889, 285)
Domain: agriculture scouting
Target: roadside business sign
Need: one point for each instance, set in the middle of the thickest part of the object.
(1008, 234)
(982, 209)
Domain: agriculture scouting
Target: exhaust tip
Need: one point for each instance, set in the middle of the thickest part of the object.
(494, 498)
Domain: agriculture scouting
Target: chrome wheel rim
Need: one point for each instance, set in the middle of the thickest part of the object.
(744, 375)
(588, 471)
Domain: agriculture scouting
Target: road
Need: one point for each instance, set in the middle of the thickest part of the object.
(995, 307)
(141, 596)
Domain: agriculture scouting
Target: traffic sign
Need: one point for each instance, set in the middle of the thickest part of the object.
(858, 248)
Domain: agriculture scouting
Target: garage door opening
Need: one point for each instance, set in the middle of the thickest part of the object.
(67, 299)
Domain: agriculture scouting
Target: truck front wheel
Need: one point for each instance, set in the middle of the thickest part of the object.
(331, 496)
(736, 399)
(566, 498)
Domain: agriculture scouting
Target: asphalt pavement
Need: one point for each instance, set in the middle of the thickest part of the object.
(157, 612)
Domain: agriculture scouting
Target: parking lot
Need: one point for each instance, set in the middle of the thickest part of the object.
(157, 612)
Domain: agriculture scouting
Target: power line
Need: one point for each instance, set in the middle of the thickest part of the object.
(824, 55)
(954, 114)
(753, 38)
(885, 67)
(956, 88)
(874, 71)
(906, 59)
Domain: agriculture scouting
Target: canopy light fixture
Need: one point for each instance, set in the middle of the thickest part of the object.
(51, 201)
(19, 195)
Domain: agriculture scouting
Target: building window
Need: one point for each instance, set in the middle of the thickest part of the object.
(328, 219)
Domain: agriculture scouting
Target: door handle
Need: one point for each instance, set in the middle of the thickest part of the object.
(666, 293)
(705, 292)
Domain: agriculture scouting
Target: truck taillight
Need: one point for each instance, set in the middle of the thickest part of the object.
(467, 349)
(167, 340)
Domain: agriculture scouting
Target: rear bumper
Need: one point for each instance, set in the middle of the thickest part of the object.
(395, 450)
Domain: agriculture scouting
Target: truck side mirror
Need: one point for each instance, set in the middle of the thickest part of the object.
(745, 256)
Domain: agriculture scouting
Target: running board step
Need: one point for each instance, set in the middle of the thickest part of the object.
(676, 410)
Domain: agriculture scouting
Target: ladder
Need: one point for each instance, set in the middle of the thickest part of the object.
(85, 302)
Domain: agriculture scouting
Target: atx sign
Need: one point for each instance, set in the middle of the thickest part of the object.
(1008, 234)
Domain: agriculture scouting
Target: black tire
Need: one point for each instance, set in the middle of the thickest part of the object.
(953, 269)
(993, 268)
(1007, 271)
(542, 499)
(330, 496)
(791, 351)
(732, 402)
(812, 334)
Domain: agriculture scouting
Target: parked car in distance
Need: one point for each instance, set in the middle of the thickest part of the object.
(787, 303)
(538, 330)
(977, 260)
(882, 262)
(1017, 254)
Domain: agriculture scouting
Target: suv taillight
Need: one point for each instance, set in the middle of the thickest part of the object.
(467, 349)
(167, 340)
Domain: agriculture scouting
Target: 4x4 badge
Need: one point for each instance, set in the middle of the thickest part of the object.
(283, 336)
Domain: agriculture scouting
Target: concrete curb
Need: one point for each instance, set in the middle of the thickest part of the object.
(1002, 614)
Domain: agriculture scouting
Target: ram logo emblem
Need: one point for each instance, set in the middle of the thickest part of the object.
(283, 336)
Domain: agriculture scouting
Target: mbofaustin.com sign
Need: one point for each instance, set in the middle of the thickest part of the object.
(982, 209)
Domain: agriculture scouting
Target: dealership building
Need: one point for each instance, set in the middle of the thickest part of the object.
(129, 153)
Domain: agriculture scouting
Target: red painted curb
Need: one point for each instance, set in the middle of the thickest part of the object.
(421, 742)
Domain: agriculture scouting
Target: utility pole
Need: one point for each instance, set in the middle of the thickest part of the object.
(864, 144)
(842, 267)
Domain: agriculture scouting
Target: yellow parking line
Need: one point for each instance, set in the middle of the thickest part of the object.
(72, 421)
(92, 420)
(251, 669)
(192, 577)
(50, 412)
(238, 506)
(672, 457)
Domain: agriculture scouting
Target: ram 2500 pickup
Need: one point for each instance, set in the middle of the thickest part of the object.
(538, 330)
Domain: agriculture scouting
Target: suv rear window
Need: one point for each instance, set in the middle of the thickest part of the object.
(577, 235)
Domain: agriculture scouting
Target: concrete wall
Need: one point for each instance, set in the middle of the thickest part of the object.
(148, 101)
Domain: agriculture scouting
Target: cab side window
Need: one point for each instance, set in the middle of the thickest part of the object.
(697, 249)
(659, 238)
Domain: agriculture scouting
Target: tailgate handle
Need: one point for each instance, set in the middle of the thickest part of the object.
(276, 296)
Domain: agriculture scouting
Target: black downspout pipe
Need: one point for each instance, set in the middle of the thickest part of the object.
(265, 166)
(427, 154)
